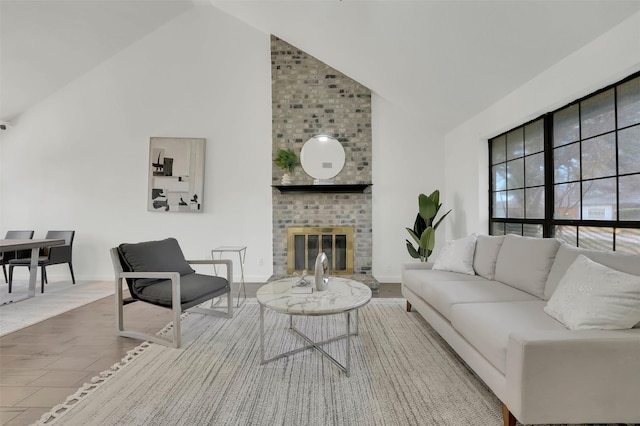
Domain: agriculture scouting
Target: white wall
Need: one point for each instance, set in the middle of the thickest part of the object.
(604, 61)
(79, 159)
(407, 161)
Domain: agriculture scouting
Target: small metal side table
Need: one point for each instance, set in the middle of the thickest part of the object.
(242, 254)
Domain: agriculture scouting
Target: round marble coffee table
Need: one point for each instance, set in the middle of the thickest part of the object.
(344, 296)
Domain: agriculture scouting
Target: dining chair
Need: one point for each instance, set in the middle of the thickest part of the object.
(49, 256)
(18, 254)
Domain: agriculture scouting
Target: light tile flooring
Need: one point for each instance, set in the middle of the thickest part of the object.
(43, 364)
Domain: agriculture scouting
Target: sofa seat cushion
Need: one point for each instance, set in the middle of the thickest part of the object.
(487, 326)
(414, 279)
(442, 295)
(194, 289)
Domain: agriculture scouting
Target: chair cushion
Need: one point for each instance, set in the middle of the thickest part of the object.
(153, 256)
(194, 289)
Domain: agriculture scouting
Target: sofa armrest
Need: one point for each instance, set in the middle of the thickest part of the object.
(417, 265)
(586, 376)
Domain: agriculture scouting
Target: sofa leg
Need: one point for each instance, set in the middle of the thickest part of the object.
(408, 306)
(507, 417)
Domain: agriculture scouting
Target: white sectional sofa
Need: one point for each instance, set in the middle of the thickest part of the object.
(492, 313)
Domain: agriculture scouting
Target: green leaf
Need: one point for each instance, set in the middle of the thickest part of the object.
(435, 197)
(440, 220)
(427, 208)
(414, 236)
(428, 239)
(412, 250)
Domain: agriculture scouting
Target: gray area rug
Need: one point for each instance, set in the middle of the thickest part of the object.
(402, 374)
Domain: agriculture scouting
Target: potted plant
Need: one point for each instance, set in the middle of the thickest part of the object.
(424, 230)
(287, 160)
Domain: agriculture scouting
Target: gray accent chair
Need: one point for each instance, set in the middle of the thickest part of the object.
(55, 255)
(157, 272)
(6, 257)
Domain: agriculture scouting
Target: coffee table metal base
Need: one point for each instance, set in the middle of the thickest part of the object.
(315, 345)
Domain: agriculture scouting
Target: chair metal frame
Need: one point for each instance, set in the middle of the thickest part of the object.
(175, 299)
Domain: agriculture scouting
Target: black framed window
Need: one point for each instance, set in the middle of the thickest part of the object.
(574, 173)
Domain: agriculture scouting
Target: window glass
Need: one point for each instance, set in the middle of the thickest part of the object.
(499, 150)
(599, 157)
(567, 201)
(534, 170)
(500, 177)
(629, 103)
(497, 228)
(534, 137)
(566, 163)
(513, 228)
(568, 234)
(532, 230)
(630, 198)
(535, 203)
(628, 240)
(566, 127)
(515, 144)
(515, 173)
(598, 114)
(599, 199)
(500, 204)
(595, 238)
(515, 203)
(629, 150)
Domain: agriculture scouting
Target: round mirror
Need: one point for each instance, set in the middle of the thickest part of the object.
(322, 157)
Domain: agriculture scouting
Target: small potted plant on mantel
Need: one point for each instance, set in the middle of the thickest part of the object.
(287, 160)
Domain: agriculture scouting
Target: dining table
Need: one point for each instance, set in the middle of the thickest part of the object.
(34, 245)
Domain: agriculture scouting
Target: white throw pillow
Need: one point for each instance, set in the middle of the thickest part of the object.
(457, 256)
(591, 295)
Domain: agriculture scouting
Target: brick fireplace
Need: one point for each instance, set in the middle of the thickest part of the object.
(310, 98)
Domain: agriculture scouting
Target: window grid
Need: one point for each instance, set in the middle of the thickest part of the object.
(590, 225)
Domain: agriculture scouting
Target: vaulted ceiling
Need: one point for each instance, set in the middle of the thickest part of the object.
(445, 60)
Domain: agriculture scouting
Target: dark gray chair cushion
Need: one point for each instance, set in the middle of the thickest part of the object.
(153, 256)
(166, 256)
(194, 289)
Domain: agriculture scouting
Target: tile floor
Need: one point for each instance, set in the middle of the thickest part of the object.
(43, 364)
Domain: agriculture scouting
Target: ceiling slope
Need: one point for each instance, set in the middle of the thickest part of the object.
(443, 60)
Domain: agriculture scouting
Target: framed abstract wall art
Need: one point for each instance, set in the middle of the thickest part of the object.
(176, 174)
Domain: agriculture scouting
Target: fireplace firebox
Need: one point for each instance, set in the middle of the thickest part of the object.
(304, 243)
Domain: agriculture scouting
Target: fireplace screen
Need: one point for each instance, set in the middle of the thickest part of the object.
(304, 244)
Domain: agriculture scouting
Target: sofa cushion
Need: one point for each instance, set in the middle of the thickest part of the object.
(414, 279)
(442, 295)
(457, 256)
(524, 262)
(591, 295)
(487, 326)
(567, 254)
(486, 254)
